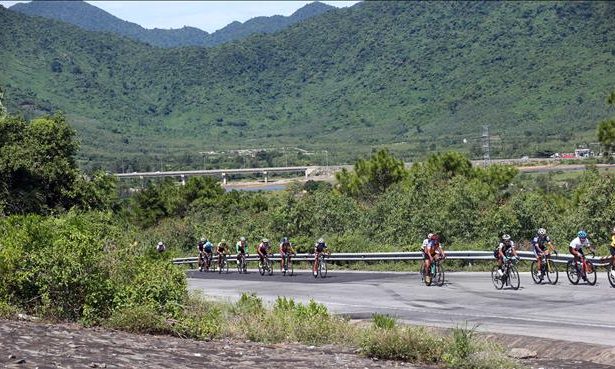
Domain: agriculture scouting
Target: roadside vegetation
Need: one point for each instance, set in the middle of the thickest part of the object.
(72, 250)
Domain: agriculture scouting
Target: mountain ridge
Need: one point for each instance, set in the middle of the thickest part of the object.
(347, 81)
(90, 17)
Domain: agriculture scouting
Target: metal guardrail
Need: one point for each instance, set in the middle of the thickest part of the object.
(407, 256)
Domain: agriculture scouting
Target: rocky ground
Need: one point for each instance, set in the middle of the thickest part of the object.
(26, 344)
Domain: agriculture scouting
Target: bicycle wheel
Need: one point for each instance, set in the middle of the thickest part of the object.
(440, 274)
(552, 273)
(323, 268)
(270, 267)
(225, 265)
(498, 283)
(513, 278)
(290, 267)
(571, 272)
(240, 266)
(422, 273)
(611, 275)
(261, 268)
(535, 272)
(428, 273)
(590, 273)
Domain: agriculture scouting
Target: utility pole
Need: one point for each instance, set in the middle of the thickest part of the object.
(486, 146)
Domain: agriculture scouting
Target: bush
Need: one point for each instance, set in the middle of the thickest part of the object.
(412, 344)
(383, 321)
(139, 319)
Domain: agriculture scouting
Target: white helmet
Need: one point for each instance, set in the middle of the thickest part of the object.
(506, 237)
(160, 243)
(242, 239)
(320, 240)
(542, 231)
(613, 229)
(202, 239)
(429, 236)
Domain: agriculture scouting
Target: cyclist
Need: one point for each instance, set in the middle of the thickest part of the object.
(286, 248)
(263, 250)
(221, 251)
(431, 251)
(161, 247)
(505, 250)
(319, 247)
(612, 248)
(541, 244)
(241, 247)
(576, 248)
(201, 248)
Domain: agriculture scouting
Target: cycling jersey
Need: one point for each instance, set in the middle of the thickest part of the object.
(613, 245)
(432, 246)
(424, 245)
(320, 246)
(241, 249)
(285, 247)
(578, 244)
(221, 247)
(263, 248)
(540, 243)
(208, 247)
(506, 249)
(201, 246)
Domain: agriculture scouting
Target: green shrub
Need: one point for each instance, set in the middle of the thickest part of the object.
(412, 344)
(201, 319)
(383, 321)
(139, 319)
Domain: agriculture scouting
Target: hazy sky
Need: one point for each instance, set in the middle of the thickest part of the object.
(206, 15)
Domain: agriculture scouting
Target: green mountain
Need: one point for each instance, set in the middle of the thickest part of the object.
(89, 17)
(412, 76)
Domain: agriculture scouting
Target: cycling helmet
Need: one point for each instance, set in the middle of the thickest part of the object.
(429, 236)
(242, 239)
(265, 240)
(160, 243)
(582, 234)
(434, 237)
(285, 239)
(202, 239)
(613, 230)
(506, 237)
(542, 231)
(320, 240)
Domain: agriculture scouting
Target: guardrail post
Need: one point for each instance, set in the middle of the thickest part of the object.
(183, 180)
(224, 180)
(306, 173)
(266, 179)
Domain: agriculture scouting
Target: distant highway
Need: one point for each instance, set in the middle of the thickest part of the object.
(565, 312)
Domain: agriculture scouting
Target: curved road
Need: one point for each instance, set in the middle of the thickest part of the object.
(579, 313)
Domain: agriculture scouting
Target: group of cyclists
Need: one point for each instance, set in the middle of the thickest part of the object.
(431, 248)
(541, 245)
(207, 250)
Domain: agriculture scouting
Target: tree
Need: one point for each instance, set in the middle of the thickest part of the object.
(371, 177)
(606, 129)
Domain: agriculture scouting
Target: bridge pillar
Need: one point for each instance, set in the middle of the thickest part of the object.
(183, 180)
(224, 179)
(266, 179)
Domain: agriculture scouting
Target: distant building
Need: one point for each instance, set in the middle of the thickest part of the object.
(582, 153)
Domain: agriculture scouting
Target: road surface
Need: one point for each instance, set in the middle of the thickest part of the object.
(579, 313)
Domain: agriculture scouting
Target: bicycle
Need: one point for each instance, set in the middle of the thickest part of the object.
(204, 262)
(223, 265)
(266, 267)
(241, 264)
(509, 277)
(288, 265)
(435, 273)
(321, 266)
(610, 270)
(547, 268)
(585, 270)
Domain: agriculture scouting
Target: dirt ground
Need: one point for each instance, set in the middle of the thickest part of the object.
(25, 344)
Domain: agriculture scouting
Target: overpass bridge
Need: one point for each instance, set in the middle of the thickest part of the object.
(308, 170)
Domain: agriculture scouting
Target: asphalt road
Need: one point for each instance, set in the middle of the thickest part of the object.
(579, 313)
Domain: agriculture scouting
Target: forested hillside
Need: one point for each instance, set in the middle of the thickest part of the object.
(422, 75)
(87, 16)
